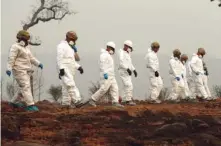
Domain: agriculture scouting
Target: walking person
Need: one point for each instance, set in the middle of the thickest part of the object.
(67, 65)
(177, 77)
(107, 77)
(196, 65)
(156, 83)
(126, 69)
(20, 63)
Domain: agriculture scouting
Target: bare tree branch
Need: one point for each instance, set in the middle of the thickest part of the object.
(219, 2)
(47, 11)
(34, 43)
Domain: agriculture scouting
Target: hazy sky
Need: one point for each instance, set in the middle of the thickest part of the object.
(184, 24)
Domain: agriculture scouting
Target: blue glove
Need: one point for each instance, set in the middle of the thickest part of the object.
(106, 76)
(41, 65)
(8, 72)
(178, 78)
(74, 48)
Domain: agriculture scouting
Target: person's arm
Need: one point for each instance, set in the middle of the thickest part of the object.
(123, 63)
(193, 65)
(12, 57)
(132, 66)
(104, 63)
(205, 69)
(77, 65)
(151, 63)
(76, 56)
(60, 53)
(189, 70)
(172, 64)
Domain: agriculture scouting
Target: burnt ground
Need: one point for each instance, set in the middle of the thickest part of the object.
(184, 124)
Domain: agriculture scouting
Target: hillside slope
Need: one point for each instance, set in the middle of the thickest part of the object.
(142, 125)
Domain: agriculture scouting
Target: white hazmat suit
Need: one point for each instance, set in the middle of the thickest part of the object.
(176, 71)
(20, 62)
(107, 67)
(190, 81)
(66, 61)
(187, 90)
(196, 65)
(126, 63)
(156, 83)
(205, 81)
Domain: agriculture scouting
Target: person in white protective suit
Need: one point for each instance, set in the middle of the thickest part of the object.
(107, 77)
(126, 69)
(156, 83)
(190, 81)
(20, 63)
(205, 81)
(184, 59)
(66, 63)
(176, 72)
(196, 65)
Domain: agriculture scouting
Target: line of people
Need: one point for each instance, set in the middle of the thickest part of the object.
(188, 78)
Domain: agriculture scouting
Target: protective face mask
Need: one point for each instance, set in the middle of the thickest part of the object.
(129, 50)
(111, 52)
(71, 43)
(155, 50)
(200, 56)
(22, 43)
(184, 62)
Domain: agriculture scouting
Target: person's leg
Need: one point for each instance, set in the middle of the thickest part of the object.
(200, 86)
(77, 98)
(68, 86)
(175, 89)
(66, 99)
(23, 80)
(114, 92)
(187, 90)
(16, 100)
(192, 86)
(17, 97)
(159, 86)
(182, 89)
(205, 82)
(153, 88)
(104, 86)
(77, 94)
(127, 86)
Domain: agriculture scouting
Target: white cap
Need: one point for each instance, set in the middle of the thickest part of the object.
(111, 44)
(128, 43)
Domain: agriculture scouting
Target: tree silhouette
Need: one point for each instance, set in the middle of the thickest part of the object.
(217, 0)
(47, 10)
